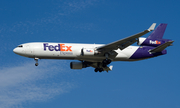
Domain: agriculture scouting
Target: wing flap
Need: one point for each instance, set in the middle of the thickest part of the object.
(161, 47)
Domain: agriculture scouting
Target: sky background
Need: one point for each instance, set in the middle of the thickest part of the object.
(152, 83)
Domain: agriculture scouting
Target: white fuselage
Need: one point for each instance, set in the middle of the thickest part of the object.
(71, 51)
(99, 56)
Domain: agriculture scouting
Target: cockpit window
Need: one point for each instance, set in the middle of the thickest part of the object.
(20, 46)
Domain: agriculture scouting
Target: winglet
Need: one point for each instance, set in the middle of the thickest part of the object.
(152, 27)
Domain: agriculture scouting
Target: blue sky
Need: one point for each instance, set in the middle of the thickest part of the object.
(143, 84)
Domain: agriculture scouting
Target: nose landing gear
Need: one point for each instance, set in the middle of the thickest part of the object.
(36, 64)
(36, 59)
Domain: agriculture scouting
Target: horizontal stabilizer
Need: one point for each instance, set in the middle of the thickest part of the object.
(161, 47)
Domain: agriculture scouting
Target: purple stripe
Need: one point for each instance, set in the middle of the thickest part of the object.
(142, 53)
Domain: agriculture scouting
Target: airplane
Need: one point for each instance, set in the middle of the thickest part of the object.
(99, 56)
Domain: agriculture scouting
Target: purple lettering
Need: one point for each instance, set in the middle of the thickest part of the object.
(45, 45)
(51, 48)
(57, 47)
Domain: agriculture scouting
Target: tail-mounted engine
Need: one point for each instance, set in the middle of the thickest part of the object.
(151, 42)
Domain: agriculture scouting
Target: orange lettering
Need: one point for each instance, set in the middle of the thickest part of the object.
(158, 42)
(68, 48)
(62, 47)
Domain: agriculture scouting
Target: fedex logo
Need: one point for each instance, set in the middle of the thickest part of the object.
(59, 47)
(154, 42)
(89, 51)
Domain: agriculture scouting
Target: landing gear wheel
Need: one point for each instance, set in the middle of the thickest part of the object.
(101, 69)
(108, 61)
(96, 70)
(104, 65)
(104, 61)
(36, 64)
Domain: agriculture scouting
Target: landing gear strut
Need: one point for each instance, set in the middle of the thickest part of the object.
(106, 62)
(36, 59)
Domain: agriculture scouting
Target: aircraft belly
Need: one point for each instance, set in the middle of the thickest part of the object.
(91, 58)
(55, 54)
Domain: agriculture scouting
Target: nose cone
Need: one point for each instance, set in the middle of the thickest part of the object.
(16, 51)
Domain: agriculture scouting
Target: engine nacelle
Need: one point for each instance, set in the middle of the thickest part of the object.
(87, 52)
(76, 65)
(151, 42)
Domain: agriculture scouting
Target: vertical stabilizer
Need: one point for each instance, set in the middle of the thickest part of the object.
(158, 32)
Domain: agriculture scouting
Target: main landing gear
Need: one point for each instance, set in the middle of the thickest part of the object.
(102, 65)
(99, 69)
(106, 62)
(99, 64)
(36, 59)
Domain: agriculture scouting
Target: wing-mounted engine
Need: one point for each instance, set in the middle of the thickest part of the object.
(88, 52)
(77, 65)
(151, 42)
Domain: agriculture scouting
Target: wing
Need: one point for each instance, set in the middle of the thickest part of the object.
(123, 43)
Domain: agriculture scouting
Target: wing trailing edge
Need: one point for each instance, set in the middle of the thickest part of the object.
(124, 43)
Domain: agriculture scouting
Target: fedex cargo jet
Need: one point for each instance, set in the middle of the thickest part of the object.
(99, 56)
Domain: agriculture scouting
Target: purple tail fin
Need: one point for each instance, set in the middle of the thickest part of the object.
(158, 32)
